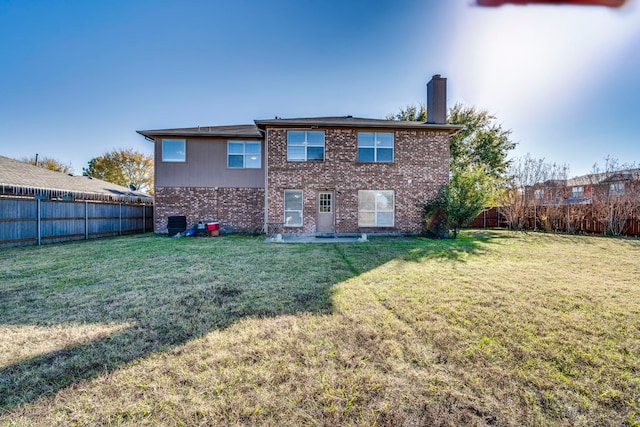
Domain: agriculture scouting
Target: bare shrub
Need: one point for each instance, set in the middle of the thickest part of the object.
(614, 195)
(532, 184)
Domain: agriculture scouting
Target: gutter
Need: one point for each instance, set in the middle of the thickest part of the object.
(190, 133)
(390, 125)
(265, 227)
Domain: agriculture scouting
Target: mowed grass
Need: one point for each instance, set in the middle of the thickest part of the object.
(495, 328)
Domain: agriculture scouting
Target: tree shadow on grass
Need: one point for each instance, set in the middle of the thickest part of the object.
(471, 242)
(178, 320)
(183, 291)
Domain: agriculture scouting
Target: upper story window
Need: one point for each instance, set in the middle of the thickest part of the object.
(577, 192)
(244, 154)
(305, 146)
(616, 188)
(375, 147)
(174, 150)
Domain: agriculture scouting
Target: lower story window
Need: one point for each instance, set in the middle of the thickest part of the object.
(376, 208)
(292, 208)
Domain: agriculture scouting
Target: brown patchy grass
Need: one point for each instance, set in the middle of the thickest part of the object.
(496, 328)
(24, 342)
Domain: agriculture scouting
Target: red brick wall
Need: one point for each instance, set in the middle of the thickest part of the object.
(421, 165)
(235, 208)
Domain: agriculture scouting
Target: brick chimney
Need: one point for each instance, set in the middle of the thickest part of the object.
(437, 100)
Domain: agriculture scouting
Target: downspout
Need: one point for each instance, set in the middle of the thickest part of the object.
(155, 174)
(265, 226)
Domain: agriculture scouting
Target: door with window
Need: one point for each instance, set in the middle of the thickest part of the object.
(325, 221)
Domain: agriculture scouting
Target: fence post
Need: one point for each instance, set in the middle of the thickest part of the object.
(120, 221)
(86, 220)
(38, 214)
(144, 215)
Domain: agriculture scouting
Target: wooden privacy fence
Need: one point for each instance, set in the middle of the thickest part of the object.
(34, 222)
(489, 218)
(571, 222)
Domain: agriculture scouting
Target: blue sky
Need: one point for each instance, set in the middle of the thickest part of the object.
(78, 78)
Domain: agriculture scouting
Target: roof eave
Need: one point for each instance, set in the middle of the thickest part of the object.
(263, 124)
(156, 133)
(30, 190)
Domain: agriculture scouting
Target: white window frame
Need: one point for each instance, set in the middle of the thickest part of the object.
(300, 211)
(375, 147)
(577, 192)
(244, 154)
(376, 211)
(538, 194)
(306, 145)
(176, 159)
(616, 188)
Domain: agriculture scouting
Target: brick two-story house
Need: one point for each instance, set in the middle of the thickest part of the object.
(305, 175)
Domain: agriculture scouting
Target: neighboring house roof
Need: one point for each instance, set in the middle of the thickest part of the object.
(359, 122)
(599, 178)
(237, 131)
(594, 179)
(23, 179)
(253, 130)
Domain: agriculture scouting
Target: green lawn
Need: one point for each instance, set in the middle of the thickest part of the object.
(495, 328)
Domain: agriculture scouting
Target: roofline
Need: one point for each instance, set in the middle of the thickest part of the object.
(382, 124)
(31, 190)
(203, 132)
(261, 125)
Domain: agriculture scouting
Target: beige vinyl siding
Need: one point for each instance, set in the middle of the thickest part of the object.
(205, 166)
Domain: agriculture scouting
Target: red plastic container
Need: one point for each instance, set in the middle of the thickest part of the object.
(213, 226)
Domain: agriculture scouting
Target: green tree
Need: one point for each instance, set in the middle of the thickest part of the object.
(456, 204)
(467, 194)
(410, 113)
(482, 143)
(124, 167)
(47, 163)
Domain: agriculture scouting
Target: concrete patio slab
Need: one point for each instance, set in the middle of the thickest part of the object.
(311, 238)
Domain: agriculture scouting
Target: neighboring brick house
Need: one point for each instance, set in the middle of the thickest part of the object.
(305, 175)
(585, 188)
